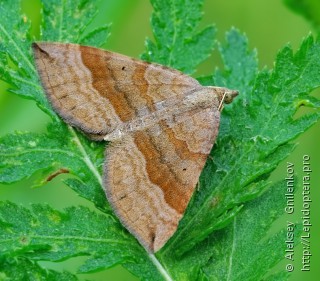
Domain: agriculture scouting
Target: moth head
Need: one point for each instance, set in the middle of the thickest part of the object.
(225, 95)
(229, 95)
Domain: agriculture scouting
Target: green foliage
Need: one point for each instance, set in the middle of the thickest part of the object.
(255, 134)
(62, 18)
(24, 269)
(16, 67)
(46, 234)
(22, 154)
(177, 42)
(310, 9)
(213, 239)
(247, 232)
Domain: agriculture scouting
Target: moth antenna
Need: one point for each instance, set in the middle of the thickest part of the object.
(221, 102)
(227, 97)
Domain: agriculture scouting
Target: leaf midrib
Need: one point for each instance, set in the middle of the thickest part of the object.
(13, 42)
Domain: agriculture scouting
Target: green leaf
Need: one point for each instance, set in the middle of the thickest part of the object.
(223, 254)
(22, 154)
(240, 64)
(309, 9)
(43, 233)
(23, 269)
(96, 37)
(279, 276)
(61, 18)
(16, 64)
(46, 234)
(178, 43)
(244, 242)
(255, 135)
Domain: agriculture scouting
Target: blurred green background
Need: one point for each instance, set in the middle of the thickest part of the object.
(269, 25)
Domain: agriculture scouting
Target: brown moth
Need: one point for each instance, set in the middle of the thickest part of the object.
(161, 124)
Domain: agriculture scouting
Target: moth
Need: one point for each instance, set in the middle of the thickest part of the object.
(161, 125)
